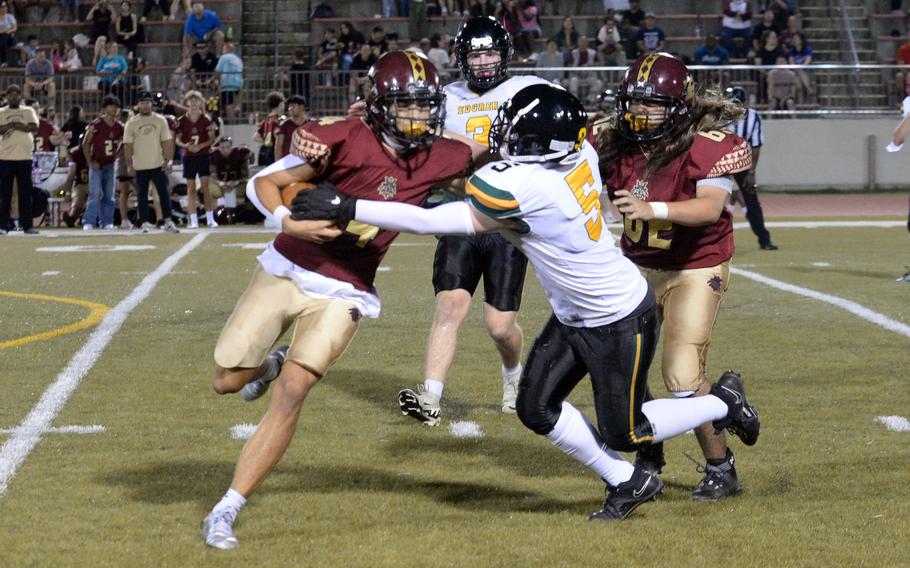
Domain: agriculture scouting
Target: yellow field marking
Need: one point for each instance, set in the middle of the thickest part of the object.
(98, 312)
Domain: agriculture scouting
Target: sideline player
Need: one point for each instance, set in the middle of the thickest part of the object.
(231, 166)
(196, 134)
(296, 108)
(667, 160)
(76, 184)
(317, 277)
(545, 198)
(483, 50)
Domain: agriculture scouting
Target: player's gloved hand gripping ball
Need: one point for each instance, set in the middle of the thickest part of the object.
(323, 203)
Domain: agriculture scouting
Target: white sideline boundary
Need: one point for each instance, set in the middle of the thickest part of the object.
(38, 422)
(848, 305)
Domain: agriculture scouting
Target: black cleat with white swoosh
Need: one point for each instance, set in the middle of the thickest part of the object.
(742, 418)
(626, 497)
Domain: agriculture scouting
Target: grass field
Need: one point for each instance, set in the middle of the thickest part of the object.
(363, 486)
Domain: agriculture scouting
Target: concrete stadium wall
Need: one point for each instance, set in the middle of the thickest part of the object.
(831, 154)
(803, 155)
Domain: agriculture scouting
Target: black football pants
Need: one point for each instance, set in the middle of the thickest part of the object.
(21, 172)
(617, 356)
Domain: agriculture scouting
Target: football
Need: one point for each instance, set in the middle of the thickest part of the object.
(289, 192)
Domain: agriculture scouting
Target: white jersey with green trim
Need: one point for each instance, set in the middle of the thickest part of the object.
(471, 114)
(556, 207)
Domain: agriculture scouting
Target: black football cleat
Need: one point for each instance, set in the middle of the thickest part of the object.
(742, 418)
(626, 497)
(651, 458)
(719, 482)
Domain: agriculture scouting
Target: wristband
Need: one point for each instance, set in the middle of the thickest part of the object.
(660, 209)
(279, 214)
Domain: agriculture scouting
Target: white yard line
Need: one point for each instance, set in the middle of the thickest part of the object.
(93, 429)
(848, 305)
(39, 420)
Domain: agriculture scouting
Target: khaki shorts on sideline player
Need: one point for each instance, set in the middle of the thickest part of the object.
(269, 306)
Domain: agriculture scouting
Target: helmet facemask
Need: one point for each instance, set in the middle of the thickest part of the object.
(411, 119)
(650, 125)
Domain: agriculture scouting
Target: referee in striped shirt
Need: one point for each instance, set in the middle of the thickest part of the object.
(750, 129)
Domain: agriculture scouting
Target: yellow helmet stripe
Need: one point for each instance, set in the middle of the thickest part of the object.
(645, 70)
(418, 66)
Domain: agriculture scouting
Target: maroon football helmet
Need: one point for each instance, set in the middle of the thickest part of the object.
(398, 80)
(654, 79)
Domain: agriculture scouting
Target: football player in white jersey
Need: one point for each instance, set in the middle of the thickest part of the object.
(545, 198)
(483, 49)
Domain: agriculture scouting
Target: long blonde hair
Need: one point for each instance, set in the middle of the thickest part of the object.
(711, 111)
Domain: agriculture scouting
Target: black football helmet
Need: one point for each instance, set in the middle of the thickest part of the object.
(654, 79)
(540, 123)
(397, 80)
(481, 34)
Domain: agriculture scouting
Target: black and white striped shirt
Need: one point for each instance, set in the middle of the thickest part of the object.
(750, 129)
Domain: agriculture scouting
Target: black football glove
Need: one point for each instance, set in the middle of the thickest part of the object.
(323, 203)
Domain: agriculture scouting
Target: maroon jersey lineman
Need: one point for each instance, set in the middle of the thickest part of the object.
(230, 167)
(197, 132)
(43, 136)
(105, 141)
(360, 167)
(660, 243)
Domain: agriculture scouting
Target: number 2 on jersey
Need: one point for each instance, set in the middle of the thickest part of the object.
(478, 128)
(578, 179)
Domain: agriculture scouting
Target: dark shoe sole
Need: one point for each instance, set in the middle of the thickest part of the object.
(715, 498)
(652, 496)
(407, 402)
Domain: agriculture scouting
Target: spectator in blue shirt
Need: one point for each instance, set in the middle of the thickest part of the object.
(229, 71)
(111, 70)
(710, 53)
(202, 25)
(650, 37)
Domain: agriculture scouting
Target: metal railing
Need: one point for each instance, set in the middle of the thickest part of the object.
(329, 92)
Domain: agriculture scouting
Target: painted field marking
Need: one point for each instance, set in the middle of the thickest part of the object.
(93, 429)
(848, 305)
(894, 423)
(30, 431)
(246, 246)
(50, 273)
(96, 248)
(243, 431)
(821, 264)
(465, 429)
(98, 312)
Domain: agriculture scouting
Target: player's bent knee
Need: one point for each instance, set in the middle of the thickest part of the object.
(535, 416)
(452, 307)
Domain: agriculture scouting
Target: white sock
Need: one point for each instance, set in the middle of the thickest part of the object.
(508, 374)
(575, 436)
(210, 217)
(671, 417)
(194, 218)
(230, 505)
(433, 386)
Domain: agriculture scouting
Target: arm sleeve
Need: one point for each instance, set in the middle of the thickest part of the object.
(448, 219)
(285, 163)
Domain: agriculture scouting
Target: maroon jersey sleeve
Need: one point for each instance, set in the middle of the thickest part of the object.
(286, 129)
(716, 154)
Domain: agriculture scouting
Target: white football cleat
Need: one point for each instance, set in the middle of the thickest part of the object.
(170, 227)
(146, 227)
(422, 405)
(217, 532)
(192, 225)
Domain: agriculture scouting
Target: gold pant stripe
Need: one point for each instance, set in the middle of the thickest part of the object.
(632, 435)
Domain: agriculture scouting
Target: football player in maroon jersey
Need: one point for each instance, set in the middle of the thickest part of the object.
(195, 134)
(231, 166)
(296, 116)
(48, 136)
(668, 163)
(101, 145)
(265, 130)
(318, 276)
(76, 185)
